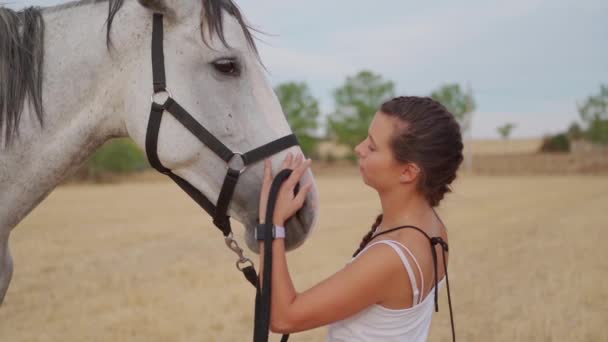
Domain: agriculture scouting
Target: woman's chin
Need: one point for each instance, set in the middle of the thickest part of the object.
(362, 173)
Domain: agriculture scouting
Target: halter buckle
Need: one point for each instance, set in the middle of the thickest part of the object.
(165, 98)
(240, 167)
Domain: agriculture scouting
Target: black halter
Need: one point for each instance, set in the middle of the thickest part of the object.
(219, 211)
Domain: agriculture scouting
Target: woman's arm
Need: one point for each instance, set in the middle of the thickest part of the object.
(350, 290)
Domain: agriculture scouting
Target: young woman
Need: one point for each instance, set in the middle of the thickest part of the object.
(388, 291)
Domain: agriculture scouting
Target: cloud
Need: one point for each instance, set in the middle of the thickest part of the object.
(401, 40)
(302, 64)
(525, 59)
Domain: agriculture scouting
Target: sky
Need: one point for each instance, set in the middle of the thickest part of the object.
(528, 62)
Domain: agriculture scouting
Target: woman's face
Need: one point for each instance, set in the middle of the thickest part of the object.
(377, 165)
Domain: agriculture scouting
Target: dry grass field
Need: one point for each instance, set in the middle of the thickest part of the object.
(479, 146)
(141, 262)
(502, 147)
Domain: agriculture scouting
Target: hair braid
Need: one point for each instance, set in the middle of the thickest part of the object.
(369, 235)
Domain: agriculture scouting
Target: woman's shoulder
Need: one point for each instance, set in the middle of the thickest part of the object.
(419, 242)
(412, 238)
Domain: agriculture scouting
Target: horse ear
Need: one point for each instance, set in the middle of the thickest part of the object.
(158, 6)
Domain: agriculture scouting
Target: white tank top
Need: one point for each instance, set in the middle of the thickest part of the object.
(377, 323)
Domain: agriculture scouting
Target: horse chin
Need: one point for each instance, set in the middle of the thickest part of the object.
(297, 228)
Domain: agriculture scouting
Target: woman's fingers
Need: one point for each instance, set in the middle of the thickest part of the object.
(288, 202)
(301, 196)
(291, 162)
(298, 165)
(267, 170)
(296, 162)
(287, 161)
(297, 173)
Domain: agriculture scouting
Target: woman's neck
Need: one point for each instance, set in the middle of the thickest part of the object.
(399, 208)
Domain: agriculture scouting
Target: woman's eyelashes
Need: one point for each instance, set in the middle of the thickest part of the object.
(368, 143)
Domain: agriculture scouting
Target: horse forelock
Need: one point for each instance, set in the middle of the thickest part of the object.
(212, 19)
(22, 53)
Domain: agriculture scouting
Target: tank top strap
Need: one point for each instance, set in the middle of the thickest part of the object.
(433, 241)
(398, 244)
(416, 292)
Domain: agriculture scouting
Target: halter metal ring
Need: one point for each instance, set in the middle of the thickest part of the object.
(165, 91)
(241, 168)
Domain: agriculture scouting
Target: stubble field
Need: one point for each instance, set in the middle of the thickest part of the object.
(140, 261)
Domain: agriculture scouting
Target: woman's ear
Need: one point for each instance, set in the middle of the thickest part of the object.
(409, 173)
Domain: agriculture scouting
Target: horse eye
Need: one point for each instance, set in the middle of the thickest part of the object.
(227, 67)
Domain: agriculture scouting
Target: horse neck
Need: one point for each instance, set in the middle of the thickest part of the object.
(83, 98)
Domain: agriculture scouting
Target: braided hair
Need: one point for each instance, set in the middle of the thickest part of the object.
(368, 236)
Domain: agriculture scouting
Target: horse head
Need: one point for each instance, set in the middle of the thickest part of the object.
(214, 71)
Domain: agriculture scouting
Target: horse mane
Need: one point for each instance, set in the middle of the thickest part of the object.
(21, 62)
(22, 53)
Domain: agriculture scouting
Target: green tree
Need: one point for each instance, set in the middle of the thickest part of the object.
(301, 110)
(506, 130)
(459, 103)
(598, 132)
(356, 102)
(594, 112)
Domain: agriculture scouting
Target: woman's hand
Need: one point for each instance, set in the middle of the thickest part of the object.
(287, 203)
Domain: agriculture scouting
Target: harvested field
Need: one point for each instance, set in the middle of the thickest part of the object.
(140, 261)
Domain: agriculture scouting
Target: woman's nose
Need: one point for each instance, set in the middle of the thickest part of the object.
(358, 150)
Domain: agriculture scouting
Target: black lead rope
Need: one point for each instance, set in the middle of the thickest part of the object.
(437, 240)
(263, 293)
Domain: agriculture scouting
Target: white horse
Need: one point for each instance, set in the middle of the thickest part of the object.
(66, 88)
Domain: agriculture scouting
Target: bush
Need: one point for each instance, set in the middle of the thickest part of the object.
(556, 143)
(118, 156)
(575, 132)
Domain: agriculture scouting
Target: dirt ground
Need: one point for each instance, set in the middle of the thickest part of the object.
(141, 262)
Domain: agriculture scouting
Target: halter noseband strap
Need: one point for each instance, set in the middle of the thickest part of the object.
(218, 211)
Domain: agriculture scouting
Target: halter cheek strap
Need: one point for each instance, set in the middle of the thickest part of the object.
(159, 83)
